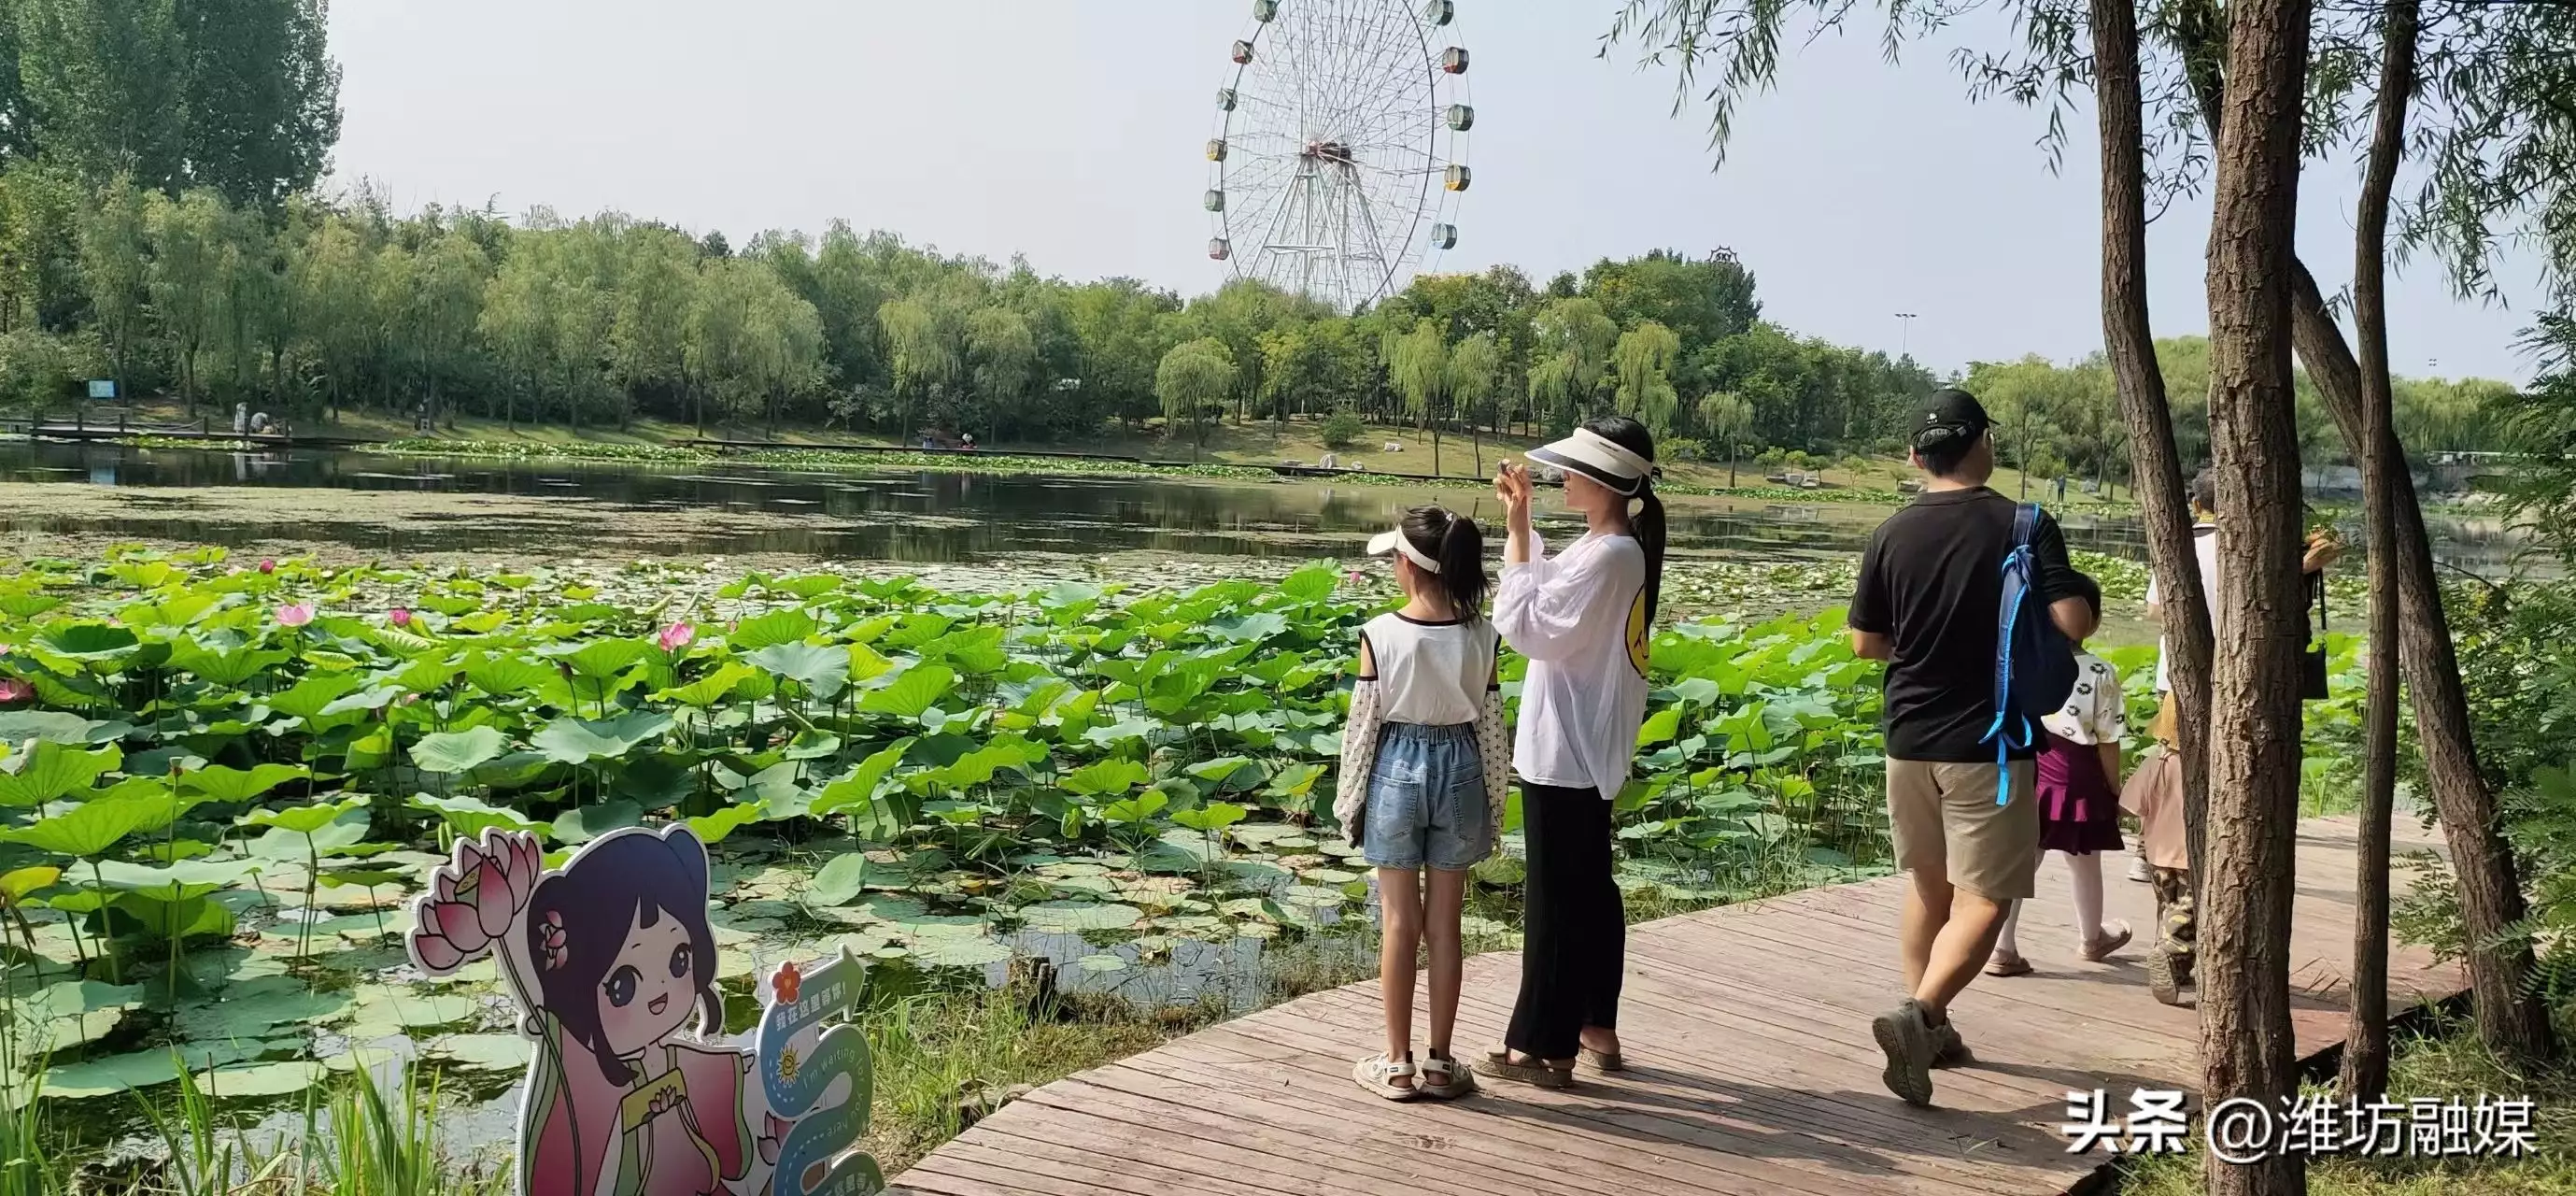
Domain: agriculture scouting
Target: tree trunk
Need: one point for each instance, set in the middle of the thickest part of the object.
(2254, 749)
(2512, 1019)
(2365, 1051)
(2129, 341)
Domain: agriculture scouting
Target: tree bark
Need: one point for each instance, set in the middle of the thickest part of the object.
(2365, 1051)
(2512, 1019)
(2254, 749)
(2129, 340)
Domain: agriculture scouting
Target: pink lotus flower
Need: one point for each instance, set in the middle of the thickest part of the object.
(475, 898)
(295, 614)
(14, 691)
(267, 566)
(399, 617)
(676, 636)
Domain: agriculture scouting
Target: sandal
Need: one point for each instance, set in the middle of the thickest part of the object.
(2001, 964)
(1536, 1072)
(1604, 1060)
(1444, 1078)
(1378, 1074)
(2096, 952)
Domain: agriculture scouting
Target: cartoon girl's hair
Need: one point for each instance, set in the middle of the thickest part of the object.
(578, 920)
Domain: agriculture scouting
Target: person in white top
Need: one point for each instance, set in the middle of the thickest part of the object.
(1421, 784)
(1583, 617)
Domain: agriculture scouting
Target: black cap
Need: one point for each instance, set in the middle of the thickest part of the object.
(1949, 415)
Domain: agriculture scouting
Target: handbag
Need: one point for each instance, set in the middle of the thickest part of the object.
(2312, 658)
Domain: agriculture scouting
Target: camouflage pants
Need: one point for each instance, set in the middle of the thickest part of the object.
(2176, 931)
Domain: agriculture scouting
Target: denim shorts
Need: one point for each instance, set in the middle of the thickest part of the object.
(1426, 799)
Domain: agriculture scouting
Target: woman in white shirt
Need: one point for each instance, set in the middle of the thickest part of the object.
(1583, 618)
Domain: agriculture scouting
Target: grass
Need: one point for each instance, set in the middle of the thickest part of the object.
(2443, 1062)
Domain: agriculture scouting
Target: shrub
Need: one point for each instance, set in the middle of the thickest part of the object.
(1343, 430)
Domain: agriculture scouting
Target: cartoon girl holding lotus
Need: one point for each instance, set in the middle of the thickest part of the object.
(628, 1095)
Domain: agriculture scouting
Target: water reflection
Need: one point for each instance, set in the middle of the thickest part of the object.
(909, 515)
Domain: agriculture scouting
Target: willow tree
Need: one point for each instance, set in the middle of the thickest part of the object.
(1723, 416)
(1574, 342)
(1643, 364)
(1417, 362)
(1192, 376)
(1475, 365)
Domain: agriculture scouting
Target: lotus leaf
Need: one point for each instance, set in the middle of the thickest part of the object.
(911, 692)
(585, 823)
(457, 751)
(52, 770)
(821, 669)
(570, 740)
(232, 785)
(1074, 917)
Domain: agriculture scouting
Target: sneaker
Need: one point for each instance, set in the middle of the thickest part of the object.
(2138, 869)
(1948, 1049)
(1906, 1035)
(2165, 974)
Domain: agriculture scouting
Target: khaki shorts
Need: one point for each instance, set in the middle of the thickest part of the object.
(1946, 821)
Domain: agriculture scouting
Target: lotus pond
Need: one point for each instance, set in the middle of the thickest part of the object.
(224, 779)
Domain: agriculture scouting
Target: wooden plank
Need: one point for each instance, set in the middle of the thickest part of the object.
(1752, 1069)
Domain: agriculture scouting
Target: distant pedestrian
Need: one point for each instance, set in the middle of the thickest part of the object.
(2156, 794)
(1583, 618)
(1424, 765)
(2079, 802)
(1966, 826)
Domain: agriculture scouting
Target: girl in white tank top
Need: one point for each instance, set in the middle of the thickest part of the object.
(1421, 787)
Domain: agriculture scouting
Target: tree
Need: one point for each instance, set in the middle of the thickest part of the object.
(922, 348)
(100, 79)
(1724, 416)
(1192, 376)
(1473, 364)
(648, 339)
(446, 304)
(1643, 362)
(112, 247)
(259, 102)
(1574, 342)
(1002, 360)
(2254, 748)
(1418, 363)
(2365, 1057)
(186, 240)
(2491, 167)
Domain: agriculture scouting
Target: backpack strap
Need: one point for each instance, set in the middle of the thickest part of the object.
(2025, 524)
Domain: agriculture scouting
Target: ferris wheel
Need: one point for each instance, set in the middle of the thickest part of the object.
(1341, 146)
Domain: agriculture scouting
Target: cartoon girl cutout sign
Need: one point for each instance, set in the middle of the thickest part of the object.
(630, 1093)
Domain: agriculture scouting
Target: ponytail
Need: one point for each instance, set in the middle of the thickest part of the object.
(1458, 545)
(1648, 526)
(1462, 567)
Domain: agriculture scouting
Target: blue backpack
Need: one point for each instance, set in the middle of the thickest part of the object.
(2034, 663)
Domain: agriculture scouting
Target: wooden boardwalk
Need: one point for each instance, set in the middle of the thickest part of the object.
(1752, 1070)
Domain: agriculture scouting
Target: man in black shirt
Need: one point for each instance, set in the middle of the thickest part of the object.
(1931, 587)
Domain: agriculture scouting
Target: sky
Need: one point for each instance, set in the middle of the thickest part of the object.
(1071, 131)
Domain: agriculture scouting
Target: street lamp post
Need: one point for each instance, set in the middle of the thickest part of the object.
(1905, 339)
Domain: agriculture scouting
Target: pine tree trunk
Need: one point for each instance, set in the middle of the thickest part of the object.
(2254, 749)
(2129, 341)
(2365, 1052)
